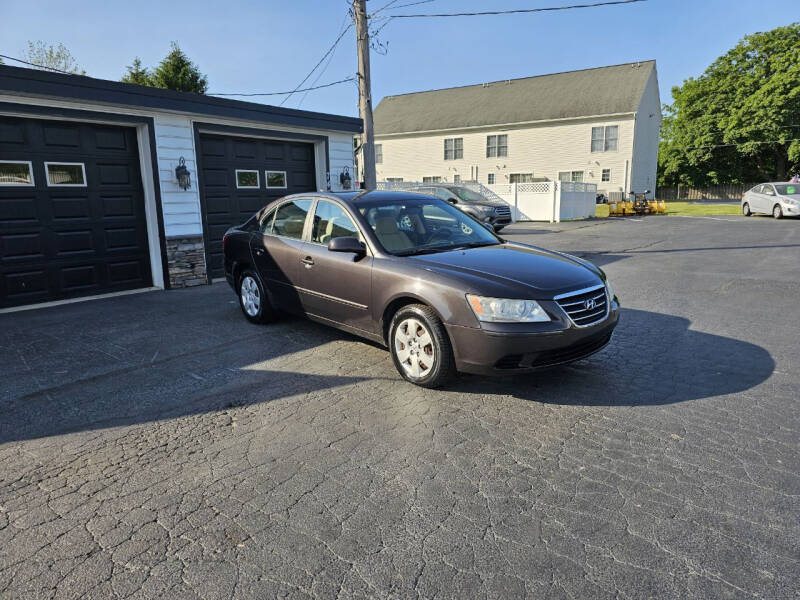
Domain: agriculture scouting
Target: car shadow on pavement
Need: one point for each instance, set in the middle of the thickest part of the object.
(653, 359)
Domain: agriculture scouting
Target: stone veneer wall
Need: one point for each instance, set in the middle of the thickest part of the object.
(186, 261)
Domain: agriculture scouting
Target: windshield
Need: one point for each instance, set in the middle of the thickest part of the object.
(424, 225)
(468, 195)
(790, 189)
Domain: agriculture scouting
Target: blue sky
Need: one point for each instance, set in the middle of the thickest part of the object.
(270, 45)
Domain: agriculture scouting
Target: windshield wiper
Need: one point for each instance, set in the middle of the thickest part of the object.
(473, 245)
(436, 249)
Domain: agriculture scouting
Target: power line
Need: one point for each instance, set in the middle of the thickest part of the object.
(741, 144)
(25, 62)
(327, 64)
(308, 89)
(324, 56)
(518, 10)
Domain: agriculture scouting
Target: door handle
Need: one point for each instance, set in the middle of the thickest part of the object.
(307, 261)
(259, 251)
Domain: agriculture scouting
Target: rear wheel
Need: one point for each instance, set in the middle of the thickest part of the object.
(253, 299)
(777, 211)
(420, 348)
(746, 209)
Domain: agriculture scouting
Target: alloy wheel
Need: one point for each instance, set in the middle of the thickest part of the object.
(777, 212)
(414, 348)
(251, 296)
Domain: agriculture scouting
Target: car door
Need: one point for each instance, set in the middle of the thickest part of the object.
(769, 198)
(336, 286)
(276, 251)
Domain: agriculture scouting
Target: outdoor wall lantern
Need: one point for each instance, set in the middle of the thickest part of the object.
(345, 179)
(183, 175)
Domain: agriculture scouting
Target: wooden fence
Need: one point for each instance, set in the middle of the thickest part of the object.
(729, 192)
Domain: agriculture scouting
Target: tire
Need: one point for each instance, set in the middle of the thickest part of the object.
(777, 211)
(416, 336)
(746, 209)
(253, 299)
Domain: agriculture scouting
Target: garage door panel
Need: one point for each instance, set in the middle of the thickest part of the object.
(250, 204)
(301, 152)
(60, 242)
(215, 178)
(211, 147)
(12, 133)
(275, 151)
(125, 271)
(68, 209)
(111, 139)
(113, 174)
(22, 246)
(23, 287)
(62, 135)
(18, 212)
(245, 150)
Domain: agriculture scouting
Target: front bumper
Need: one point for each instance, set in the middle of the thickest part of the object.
(485, 352)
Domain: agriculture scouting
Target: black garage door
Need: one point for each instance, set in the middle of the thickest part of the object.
(72, 219)
(241, 175)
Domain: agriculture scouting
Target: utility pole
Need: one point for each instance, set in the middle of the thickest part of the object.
(365, 94)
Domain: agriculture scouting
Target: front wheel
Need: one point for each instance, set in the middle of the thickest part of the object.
(253, 299)
(777, 211)
(746, 209)
(420, 348)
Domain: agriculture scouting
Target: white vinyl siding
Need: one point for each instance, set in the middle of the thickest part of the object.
(543, 149)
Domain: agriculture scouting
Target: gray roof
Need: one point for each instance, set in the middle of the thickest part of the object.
(600, 91)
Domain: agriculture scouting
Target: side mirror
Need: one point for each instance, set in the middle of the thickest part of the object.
(347, 244)
(452, 200)
(488, 226)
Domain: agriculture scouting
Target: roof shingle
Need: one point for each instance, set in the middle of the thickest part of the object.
(600, 91)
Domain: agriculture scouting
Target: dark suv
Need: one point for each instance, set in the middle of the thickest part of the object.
(492, 212)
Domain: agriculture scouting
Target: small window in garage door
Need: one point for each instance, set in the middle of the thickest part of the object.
(65, 174)
(246, 179)
(276, 179)
(16, 172)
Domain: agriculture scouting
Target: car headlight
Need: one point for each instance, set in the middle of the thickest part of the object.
(791, 201)
(484, 211)
(505, 310)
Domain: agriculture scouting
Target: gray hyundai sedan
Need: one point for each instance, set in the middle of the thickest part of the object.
(412, 272)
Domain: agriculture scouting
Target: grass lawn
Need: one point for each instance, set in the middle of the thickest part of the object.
(687, 208)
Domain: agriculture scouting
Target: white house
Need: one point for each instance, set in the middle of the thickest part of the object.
(90, 199)
(595, 126)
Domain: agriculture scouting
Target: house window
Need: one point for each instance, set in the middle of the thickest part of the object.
(246, 179)
(65, 174)
(16, 172)
(432, 179)
(456, 178)
(394, 179)
(453, 148)
(606, 176)
(496, 145)
(605, 139)
(490, 179)
(276, 179)
(378, 154)
(520, 178)
(576, 176)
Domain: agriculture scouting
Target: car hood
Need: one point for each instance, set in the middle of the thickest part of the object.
(540, 273)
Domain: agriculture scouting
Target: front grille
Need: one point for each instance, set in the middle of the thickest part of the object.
(587, 307)
(570, 353)
(509, 361)
(503, 211)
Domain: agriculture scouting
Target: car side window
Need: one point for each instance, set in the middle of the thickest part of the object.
(330, 222)
(265, 224)
(768, 190)
(444, 194)
(290, 218)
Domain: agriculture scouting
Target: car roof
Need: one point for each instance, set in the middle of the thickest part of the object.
(361, 197)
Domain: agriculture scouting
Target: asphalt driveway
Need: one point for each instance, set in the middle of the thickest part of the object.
(158, 445)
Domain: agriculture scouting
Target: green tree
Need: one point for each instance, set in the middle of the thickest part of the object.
(177, 72)
(739, 122)
(48, 56)
(137, 73)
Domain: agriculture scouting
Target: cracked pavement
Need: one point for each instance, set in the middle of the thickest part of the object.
(158, 445)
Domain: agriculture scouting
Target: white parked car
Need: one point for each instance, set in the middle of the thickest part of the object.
(778, 199)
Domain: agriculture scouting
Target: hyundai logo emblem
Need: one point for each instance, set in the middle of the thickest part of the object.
(589, 304)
